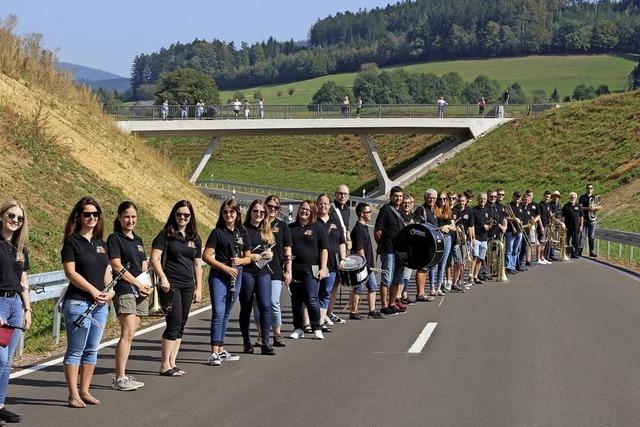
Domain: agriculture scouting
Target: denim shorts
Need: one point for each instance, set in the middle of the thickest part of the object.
(394, 271)
(456, 254)
(371, 284)
(480, 249)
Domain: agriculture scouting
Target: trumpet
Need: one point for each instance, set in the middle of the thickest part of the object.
(80, 319)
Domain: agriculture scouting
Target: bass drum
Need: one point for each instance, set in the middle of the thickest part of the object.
(419, 246)
(354, 272)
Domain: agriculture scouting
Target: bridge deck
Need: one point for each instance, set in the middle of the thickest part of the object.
(558, 345)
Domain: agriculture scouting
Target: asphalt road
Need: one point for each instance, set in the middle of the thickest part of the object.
(558, 346)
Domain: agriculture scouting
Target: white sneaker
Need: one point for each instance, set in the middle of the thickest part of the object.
(214, 360)
(318, 334)
(328, 322)
(297, 333)
(225, 356)
(122, 384)
(135, 382)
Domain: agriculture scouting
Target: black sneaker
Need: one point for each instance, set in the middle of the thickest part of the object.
(267, 350)
(247, 349)
(456, 288)
(406, 301)
(355, 316)
(375, 314)
(593, 255)
(388, 311)
(10, 417)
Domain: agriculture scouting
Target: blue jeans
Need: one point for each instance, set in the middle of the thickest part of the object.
(11, 312)
(324, 291)
(276, 314)
(221, 302)
(82, 343)
(436, 273)
(304, 292)
(512, 243)
(260, 286)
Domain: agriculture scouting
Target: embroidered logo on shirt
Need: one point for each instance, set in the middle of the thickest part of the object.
(308, 233)
(191, 244)
(332, 227)
(140, 248)
(100, 250)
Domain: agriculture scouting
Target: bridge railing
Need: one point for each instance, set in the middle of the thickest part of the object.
(618, 246)
(319, 111)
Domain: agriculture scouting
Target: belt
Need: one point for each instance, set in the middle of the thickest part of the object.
(8, 294)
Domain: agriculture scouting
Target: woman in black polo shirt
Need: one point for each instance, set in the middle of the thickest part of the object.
(15, 308)
(85, 261)
(126, 247)
(175, 258)
(310, 253)
(255, 280)
(227, 250)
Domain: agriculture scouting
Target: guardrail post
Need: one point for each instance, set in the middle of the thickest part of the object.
(631, 254)
(619, 250)
(379, 110)
(21, 345)
(56, 322)
(608, 249)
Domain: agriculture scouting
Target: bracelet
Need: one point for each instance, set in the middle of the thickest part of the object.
(27, 309)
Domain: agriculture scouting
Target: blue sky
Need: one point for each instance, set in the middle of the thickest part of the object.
(108, 34)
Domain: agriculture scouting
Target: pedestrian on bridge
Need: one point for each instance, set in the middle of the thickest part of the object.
(441, 104)
(85, 261)
(236, 107)
(247, 109)
(227, 251)
(15, 307)
(176, 259)
(165, 109)
(184, 109)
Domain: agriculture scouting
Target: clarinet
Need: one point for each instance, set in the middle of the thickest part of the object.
(80, 320)
(231, 289)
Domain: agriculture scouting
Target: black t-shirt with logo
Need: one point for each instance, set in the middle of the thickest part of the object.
(462, 217)
(519, 213)
(228, 244)
(571, 214)
(545, 212)
(254, 236)
(11, 268)
(307, 243)
(496, 213)
(480, 218)
(584, 201)
(390, 221)
(425, 214)
(129, 250)
(283, 238)
(178, 256)
(361, 240)
(336, 238)
(91, 261)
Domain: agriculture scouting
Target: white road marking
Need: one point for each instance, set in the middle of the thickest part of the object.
(441, 301)
(422, 339)
(55, 361)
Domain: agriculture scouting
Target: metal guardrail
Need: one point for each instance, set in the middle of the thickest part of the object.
(622, 238)
(319, 111)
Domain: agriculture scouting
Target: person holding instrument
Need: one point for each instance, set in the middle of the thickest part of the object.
(227, 250)
(126, 247)
(256, 278)
(175, 258)
(15, 307)
(310, 255)
(85, 262)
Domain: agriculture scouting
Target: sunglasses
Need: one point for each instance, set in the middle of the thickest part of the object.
(228, 212)
(258, 211)
(365, 212)
(183, 215)
(15, 217)
(89, 214)
(273, 207)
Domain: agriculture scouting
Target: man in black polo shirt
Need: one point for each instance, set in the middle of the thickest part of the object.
(426, 214)
(545, 219)
(362, 246)
(341, 214)
(590, 210)
(388, 225)
(572, 217)
(480, 236)
(513, 236)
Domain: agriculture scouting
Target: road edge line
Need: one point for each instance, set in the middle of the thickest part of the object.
(422, 339)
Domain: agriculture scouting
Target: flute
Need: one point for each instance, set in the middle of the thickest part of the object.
(80, 320)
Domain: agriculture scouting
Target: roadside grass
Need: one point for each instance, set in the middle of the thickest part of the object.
(593, 141)
(317, 163)
(532, 72)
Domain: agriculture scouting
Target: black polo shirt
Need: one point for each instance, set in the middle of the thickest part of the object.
(409, 218)
(463, 218)
(129, 250)
(545, 212)
(533, 209)
(283, 238)
(571, 214)
(10, 268)
(345, 213)
(307, 243)
(425, 215)
(91, 261)
(178, 256)
(519, 213)
(336, 238)
(361, 240)
(254, 236)
(496, 213)
(390, 222)
(228, 244)
(480, 218)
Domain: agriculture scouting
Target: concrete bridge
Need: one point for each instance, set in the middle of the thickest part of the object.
(464, 128)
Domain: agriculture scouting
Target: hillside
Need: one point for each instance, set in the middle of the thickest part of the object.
(80, 72)
(593, 141)
(55, 152)
(546, 73)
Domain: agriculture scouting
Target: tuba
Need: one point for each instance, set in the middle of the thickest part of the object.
(558, 238)
(496, 260)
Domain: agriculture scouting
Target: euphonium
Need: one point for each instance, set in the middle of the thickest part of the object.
(495, 260)
(558, 238)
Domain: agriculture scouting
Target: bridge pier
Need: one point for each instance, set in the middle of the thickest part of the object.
(213, 144)
(384, 183)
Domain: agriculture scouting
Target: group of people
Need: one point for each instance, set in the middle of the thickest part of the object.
(252, 260)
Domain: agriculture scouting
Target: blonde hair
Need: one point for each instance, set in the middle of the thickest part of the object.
(20, 237)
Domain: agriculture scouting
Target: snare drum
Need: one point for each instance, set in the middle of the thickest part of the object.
(419, 246)
(354, 271)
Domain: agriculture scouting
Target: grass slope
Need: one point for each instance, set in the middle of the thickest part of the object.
(317, 163)
(532, 72)
(594, 141)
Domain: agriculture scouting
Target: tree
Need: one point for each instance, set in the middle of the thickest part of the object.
(516, 94)
(555, 96)
(452, 86)
(604, 36)
(573, 36)
(257, 95)
(146, 92)
(634, 78)
(481, 86)
(582, 92)
(602, 90)
(187, 84)
(539, 96)
(330, 93)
